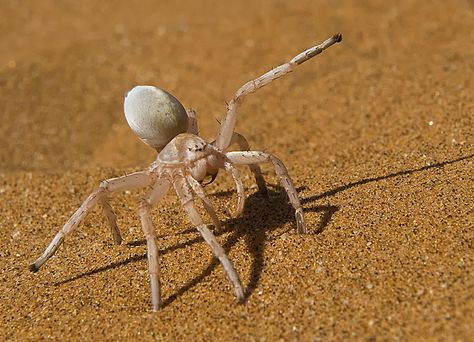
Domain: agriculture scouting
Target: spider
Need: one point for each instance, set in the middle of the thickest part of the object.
(184, 161)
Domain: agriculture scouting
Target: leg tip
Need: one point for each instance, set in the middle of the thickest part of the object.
(33, 268)
(301, 230)
(337, 37)
(300, 224)
(241, 299)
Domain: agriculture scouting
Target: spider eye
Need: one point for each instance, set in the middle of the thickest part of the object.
(196, 148)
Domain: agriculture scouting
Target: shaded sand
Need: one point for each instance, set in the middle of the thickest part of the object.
(377, 133)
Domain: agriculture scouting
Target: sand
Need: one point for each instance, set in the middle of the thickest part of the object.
(377, 134)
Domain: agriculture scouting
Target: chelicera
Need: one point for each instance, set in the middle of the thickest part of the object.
(184, 161)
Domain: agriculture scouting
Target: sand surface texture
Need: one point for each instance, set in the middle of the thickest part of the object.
(377, 134)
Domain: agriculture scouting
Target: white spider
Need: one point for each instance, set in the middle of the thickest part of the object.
(184, 161)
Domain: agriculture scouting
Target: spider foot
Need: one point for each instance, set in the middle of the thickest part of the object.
(117, 238)
(239, 292)
(33, 268)
(300, 223)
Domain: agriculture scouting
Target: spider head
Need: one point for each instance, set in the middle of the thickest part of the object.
(193, 148)
(201, 159)
(185, 148)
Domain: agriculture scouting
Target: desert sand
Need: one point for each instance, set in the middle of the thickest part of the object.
(376, 132)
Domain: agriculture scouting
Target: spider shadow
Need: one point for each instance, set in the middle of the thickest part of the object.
(273, 215)
(273, 212)
(367, 180)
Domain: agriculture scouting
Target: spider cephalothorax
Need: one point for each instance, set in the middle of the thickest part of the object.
(184, 161)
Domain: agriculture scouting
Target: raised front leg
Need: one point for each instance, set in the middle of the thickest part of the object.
(132, 181)
(254, 157)
(224, 136)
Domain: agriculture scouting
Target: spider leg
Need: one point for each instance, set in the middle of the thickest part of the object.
(132, 181)
(240, 140)
(254, 157)
(224, 136)
(185, 195)
(240, 187)
(156, 193)
(192, 122)
(112, 220)
(199, 191)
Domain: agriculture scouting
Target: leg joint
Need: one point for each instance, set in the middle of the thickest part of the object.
(144, 205)
(103, 187)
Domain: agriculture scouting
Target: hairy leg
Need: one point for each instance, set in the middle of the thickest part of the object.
(240, 187)
(253, 157)
(157, 193)
(184, 194)
(199, 191)
(132, 181)
(224, 136)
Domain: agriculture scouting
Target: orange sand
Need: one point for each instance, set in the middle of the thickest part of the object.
(377, 133)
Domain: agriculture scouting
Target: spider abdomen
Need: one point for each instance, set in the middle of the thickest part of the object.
(154, 115)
